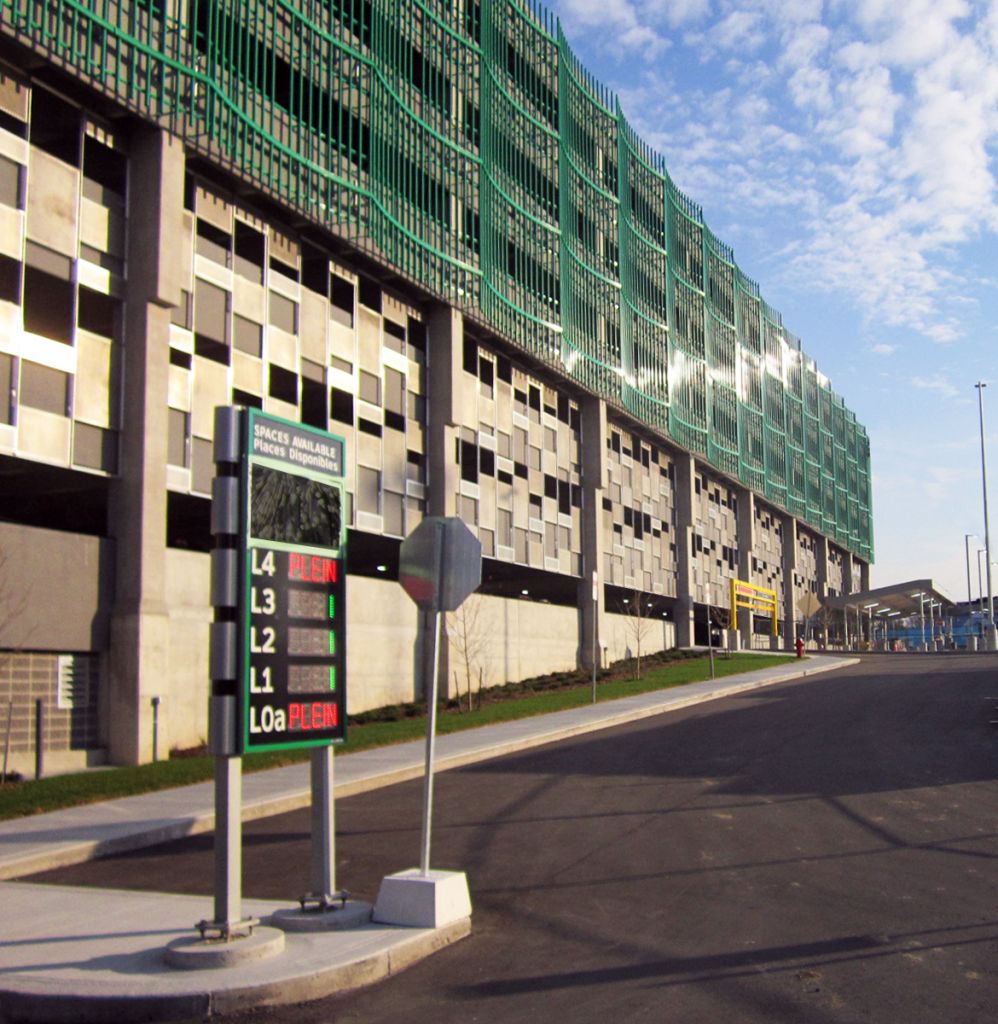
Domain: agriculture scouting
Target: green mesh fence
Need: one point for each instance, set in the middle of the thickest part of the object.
(465, 146)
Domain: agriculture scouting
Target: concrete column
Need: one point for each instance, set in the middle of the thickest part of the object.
(685, 586)
(864, 575)
(745, 531)
(789, 587)
(593, 465)
(139, 660)
(444, 373)
(821, 579)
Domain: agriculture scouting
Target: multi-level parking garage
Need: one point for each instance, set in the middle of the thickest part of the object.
(426, 228)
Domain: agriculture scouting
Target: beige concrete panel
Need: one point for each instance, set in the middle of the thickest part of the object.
(342, 342)
(183, 250)
(211, 388)
(394, 466)
(249, 299)
(381, 632)
(394, 310)
(56, 611)
(466, 404)
(12, 233)
(281, 348)
(183, 712)
(313, 314)
(43, 435)
(213, 209)
(368, 450)
(369, 339)
(247, 373)
(278, 408)
(14, 148)
(180, 389)
(101, 228)
(93, 395)
(53, 203)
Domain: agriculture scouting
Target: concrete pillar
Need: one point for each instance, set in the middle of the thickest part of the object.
(685, 466)
(444, 380)
(593, 465)
(821, 579)
(139, 660)
(864, 576)
(745, 531)
(790, 613)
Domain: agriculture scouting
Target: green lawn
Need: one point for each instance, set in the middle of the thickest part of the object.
(50, 794)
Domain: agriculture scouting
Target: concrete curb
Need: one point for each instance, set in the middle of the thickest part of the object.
(134, 985)
(479, 745)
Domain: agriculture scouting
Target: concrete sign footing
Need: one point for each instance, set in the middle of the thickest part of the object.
(352, 914)
(196, 954)
(431, 900)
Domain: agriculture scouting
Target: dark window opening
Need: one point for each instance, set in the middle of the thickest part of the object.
(315, 270)
(180, 358)
(504, 369)
(394, 420)
(470, 362)
(105, 166)
(278, 266)
(213, 243)
(209, 348)
(48, 305)
(341, 293)
(10, 280)
(468, 457)
(486, 462)
(55, 126)
(283, 384)
(550, 486)
(370, 294)
(313, 403)
(250, 252)
(341, 406)
(245, 398)
(188, 522)
(369, 427)
(97, 313)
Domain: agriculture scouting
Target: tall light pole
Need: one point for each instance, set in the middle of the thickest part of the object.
(990, 638)
(966, 544)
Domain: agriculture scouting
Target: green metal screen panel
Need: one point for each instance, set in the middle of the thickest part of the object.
(466, 147)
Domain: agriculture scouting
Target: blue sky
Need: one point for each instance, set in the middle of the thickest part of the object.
(847, 151)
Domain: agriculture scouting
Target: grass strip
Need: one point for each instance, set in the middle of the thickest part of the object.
(61, 791)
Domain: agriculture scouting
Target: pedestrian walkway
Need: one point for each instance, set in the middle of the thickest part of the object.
(86, 954)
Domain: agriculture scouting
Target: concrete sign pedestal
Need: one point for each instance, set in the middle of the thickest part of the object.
(417, 899)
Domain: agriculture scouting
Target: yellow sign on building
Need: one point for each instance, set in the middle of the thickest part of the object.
(759, 600)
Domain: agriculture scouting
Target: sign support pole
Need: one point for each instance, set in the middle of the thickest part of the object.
(595, 621)
(323, 867)
(431, 735)
(228, 844)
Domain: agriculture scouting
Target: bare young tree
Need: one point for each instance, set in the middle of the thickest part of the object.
(13, 602)
(468, 635)
(640, 623)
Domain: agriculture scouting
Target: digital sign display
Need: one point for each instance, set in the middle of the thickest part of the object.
(293, 654)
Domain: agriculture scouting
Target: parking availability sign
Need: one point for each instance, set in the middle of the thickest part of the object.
(293, 609)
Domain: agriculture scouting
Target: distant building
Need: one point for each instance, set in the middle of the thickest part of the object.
(426, 228)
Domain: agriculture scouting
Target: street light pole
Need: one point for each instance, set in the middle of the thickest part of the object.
(990, 643)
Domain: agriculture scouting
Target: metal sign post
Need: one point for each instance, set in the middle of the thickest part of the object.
(440, 564)
(710, 630)
(595, 619)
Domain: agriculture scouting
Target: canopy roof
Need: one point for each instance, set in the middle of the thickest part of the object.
(904, 598)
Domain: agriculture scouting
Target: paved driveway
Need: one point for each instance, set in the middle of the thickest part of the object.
(825, 851)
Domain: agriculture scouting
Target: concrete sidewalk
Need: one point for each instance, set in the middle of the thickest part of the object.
(86, 954)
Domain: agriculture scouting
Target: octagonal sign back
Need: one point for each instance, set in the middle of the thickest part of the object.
(440, 563)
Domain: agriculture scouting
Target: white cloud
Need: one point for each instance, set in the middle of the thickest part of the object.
(938, 385)
(883, 349)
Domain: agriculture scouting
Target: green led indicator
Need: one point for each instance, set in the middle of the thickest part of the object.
(332, 643)
(332, 606)
(332, 678)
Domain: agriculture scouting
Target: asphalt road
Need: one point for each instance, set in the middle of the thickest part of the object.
(819, 852)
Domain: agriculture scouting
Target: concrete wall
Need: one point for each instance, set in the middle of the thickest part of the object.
(381, 636)
(656, 635)
(55, 590)
(184, 694)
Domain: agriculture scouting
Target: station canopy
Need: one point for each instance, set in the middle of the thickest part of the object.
(899, 598)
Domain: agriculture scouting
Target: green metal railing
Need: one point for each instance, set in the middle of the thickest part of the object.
(464, 144)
